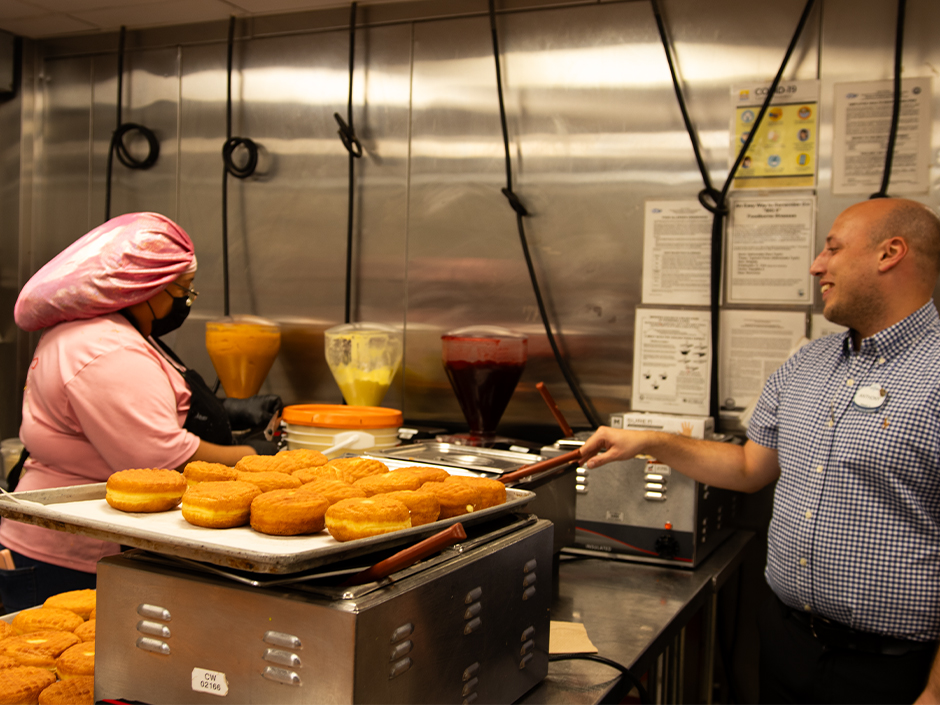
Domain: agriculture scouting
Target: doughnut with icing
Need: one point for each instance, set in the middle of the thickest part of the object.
(86, 632)
(388, 482)
(423, 506)
(201, 471)
(74, 691)
(23, 684)
(358, 518)
(493, 492)
(81, 602)
(288, 512)
(42, 619)
(38, 648)
(352, 469)
(219, 505)
(78, 660)
(267, 481)
(333, 490)
(145, 490)
(456, 498)
(425, 474)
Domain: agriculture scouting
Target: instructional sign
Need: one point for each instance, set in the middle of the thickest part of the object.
(783, 152)
(676, 253)
(770, 250)
(861, 125)
(672, 361)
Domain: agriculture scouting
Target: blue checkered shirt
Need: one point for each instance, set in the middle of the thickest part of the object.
(855, 533)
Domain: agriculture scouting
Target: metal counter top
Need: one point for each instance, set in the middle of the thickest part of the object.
(633, 613)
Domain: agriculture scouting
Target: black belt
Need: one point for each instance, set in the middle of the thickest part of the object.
(835, 635)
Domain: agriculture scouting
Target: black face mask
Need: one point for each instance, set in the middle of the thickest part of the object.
(173, 320)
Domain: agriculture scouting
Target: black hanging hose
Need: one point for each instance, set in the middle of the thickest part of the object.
(124, 128)
(896, 108)
(521, 211)
(229, 166)
(348, 136)
(716, 201)
(624, 671)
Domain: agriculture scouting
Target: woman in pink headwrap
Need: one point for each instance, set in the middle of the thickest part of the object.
(100, 395)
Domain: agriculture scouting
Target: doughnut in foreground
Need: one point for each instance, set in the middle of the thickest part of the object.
(145, 490)
(219, 505)
(423, 506)
(456, 498)
(358, 518)
(46, 619)
(81, 602)
(79, 690)
(288, 512)
(492, 492)
(23, 684)
(78, 660)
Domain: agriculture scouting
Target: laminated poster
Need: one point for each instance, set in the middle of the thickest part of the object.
(820, 327)
(677, 253)
(861, 125)
(672, 361)
(783, 153)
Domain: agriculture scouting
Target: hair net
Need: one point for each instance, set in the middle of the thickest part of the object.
(123, 262)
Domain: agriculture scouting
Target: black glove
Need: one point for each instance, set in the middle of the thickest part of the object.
(261, 446)
(253, 414)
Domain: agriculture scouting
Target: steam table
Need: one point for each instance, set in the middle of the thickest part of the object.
(636, 614)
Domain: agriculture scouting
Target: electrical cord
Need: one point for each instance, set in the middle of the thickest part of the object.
(118, 145)
(229, 165)
(521, 212)
(896, 107)
(715, 201)
(347, 135)
(626, 672)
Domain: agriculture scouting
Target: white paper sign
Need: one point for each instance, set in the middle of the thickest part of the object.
(820, 327)
(770, 250)
(672, 361)
(861, 124)
(676, 253)
(753, 345)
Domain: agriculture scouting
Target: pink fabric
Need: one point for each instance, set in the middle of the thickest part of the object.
(98, 399)
(121, 263)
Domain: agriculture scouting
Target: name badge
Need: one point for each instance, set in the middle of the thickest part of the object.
(870, 398)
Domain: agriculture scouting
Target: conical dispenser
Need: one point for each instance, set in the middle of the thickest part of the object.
(364, 358)
(242, 350)
(484, 364)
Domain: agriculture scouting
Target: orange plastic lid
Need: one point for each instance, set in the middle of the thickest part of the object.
(340, 416)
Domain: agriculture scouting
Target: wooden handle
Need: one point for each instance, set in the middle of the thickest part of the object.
(553, 407)
(410, 556)
(570, 457)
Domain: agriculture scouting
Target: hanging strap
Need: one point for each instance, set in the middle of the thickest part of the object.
(896, 107)
(521, 212)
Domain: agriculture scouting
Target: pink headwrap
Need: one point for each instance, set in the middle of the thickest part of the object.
(123, 262)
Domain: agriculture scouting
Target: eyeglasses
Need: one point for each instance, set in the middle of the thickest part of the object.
(191, 294)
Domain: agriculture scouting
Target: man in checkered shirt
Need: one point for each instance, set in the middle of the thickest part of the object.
(849, 428)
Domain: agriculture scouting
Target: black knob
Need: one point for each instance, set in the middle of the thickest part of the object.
(667, 546)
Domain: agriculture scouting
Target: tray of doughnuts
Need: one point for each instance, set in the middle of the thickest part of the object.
(85, 510)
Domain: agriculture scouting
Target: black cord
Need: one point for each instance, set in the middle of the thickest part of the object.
(117, 137)
(896, 108)
(229, 166)
(347, 135)
(715, 201)
(634, 681)
(521, 211)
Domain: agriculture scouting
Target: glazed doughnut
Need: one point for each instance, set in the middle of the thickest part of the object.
(81, 602)
(38, 648)
(492, 492)
(44, 619)
(456, 498)
(201, 471)
(74, 691)
(6, 629)
(78, 660)
(425, 474)
(267, 481)
(219, 505)
(323, 472)
(288, 512)
(333, 490)
(23, 684)
(352, 469)
(388, 482)
(423, 506)
(145, 490)
(86, 632)
(359, 518)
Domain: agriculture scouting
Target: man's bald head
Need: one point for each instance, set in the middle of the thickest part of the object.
(911, 220)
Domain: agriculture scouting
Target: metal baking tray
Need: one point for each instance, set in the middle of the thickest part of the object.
(83, 510)
(452, 455)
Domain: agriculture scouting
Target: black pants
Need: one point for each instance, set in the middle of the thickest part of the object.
(797, 668)
(33, 582)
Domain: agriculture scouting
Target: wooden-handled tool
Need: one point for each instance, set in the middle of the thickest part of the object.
(570, 457)
(410, 556)
(553, 407)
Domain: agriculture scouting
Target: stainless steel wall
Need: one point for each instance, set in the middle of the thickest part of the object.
(595, 130)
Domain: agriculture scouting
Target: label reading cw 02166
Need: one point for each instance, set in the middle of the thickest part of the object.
(206, 681)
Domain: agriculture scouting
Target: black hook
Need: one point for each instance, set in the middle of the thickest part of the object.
(346, 134)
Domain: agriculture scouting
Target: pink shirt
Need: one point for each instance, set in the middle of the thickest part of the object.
(99, 398)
